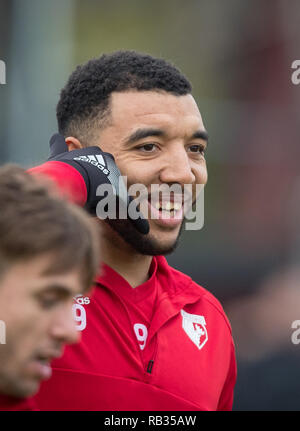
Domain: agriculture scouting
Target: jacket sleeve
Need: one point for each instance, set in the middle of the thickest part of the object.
(226, 398)
(67, 179)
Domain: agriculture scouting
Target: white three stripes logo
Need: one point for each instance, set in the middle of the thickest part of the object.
(97, 158)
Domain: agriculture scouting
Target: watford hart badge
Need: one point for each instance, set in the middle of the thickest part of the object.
(195, 327)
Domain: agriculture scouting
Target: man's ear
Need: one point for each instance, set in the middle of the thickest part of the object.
(73, 143)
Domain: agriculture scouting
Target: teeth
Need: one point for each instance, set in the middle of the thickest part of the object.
(168, 206)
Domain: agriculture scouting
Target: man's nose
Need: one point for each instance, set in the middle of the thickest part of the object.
(177, 168)
(64, 327)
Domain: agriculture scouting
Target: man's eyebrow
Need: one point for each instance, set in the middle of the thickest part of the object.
(200, 134)
(144, 133)
(55, 288)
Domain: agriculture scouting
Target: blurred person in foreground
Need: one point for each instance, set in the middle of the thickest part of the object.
(152, 338)
(48, 255)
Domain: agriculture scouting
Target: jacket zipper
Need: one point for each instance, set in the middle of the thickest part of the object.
(150, 366)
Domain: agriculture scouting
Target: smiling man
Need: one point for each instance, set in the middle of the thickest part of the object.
(157, 139)
(48, 254)
(152, 338)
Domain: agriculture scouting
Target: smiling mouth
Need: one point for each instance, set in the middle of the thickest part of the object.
(170, 205)
(167, 205)
(164, 205)
(167, 208)
(166, 213)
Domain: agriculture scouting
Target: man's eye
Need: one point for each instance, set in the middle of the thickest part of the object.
(147, 148)
(196, 148)
(48, 302)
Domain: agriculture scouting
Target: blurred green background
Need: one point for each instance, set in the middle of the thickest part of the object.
(238, 56)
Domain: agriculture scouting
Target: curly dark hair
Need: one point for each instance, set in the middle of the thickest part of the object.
(84, 101)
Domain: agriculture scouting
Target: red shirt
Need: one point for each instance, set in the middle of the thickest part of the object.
(165, 345)
(187, 361)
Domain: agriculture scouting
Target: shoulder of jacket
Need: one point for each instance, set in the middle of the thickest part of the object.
(213, 302)
(189, 285)
(184, 285)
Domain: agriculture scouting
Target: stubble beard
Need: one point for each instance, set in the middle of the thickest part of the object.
(142, 244)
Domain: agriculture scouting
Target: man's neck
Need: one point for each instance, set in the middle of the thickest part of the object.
(132, 266)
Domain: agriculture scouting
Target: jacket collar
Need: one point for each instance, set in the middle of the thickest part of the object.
(176, 289)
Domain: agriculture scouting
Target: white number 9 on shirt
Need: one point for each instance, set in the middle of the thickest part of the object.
(79, 316)
(141, 333)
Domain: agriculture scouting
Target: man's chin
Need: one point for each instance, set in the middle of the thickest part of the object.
(144, 244)
(20, 388)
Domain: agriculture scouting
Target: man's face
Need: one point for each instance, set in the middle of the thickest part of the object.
(37, 310)
(157, 138)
